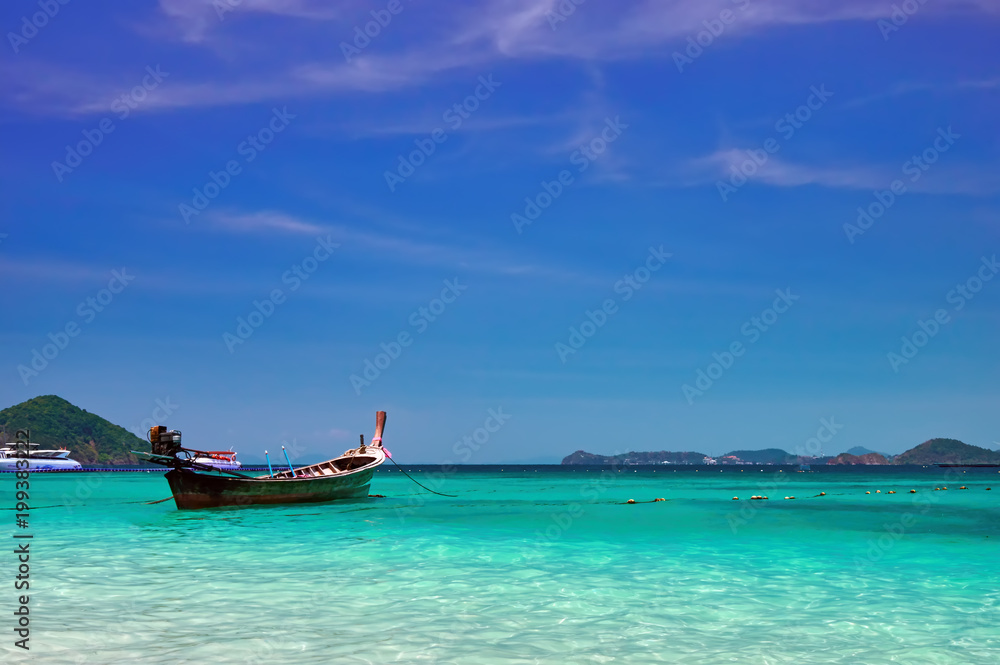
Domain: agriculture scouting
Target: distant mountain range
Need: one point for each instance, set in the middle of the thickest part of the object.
(766, 456)
(94, 441)
(662, 457)
(935, 451)
(55, 422)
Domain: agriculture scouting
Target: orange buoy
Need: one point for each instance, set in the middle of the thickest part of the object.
(789, 497)
(822, 493)
(878, 491)
(963, 487)
(891, 492)
(988, 489)
(736, 498)
(655, 500)
(913, 491)
(944, 488)
(630, 501)
(867, 492)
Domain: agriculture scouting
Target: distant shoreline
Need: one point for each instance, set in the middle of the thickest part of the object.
(572, 468)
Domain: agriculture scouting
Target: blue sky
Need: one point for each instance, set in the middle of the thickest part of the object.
(646, 128)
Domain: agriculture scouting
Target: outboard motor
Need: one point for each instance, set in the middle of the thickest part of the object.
(164, 442)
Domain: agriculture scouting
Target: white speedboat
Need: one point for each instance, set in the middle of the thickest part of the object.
(220, 459)
(39, 459)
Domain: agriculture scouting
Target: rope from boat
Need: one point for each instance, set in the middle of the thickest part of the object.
(416, 481)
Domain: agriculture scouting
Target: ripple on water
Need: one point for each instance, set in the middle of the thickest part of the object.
(486, 580)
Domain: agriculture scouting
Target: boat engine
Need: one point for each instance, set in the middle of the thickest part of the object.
(164, 441)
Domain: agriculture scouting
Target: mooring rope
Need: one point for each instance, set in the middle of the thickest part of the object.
(453, 496)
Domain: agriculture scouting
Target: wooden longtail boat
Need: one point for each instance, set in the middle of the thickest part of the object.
(199, 486)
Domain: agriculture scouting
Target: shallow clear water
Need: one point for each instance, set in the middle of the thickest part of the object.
(526, 566)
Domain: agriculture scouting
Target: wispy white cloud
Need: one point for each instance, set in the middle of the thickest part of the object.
(909, 87)
(395, 246)
(394, 126)
(68, 91)
(941, 179)
(196, 18)
(472, 36)
(263, 222)
(42, 270)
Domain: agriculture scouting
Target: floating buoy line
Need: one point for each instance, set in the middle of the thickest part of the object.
(760, 497)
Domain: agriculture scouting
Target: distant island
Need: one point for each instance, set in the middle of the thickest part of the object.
(662, 457)
(934, 451)
(864, 458)
(948, 451)
(56, 423)
(92, 440)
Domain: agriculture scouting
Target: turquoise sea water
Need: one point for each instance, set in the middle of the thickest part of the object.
(527, 565)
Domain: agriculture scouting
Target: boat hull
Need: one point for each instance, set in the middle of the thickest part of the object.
(199, 490)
